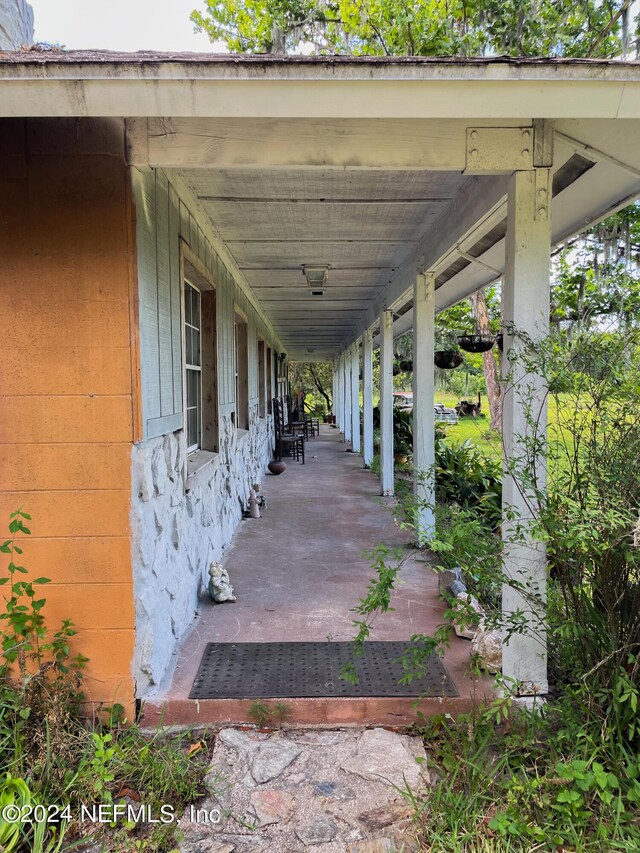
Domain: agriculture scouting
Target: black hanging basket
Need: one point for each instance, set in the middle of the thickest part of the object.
(500, 341)
(402, 366)
(448, 359)
(476, 343)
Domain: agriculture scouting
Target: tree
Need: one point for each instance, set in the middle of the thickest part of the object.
(315, 380)
(423, 27)
(597, 275)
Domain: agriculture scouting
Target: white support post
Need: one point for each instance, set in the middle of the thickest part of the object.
(526, 310)
(367, 398)
(355, 397)
(347, 395)
(386, 402)
(423, 399)
(334, 388)
(339, 392)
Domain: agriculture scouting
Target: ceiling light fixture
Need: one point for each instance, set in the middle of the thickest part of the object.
(316, 278)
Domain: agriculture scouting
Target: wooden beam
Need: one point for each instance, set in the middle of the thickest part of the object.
(268, 143)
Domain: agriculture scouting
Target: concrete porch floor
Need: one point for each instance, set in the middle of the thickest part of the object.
(297, 572)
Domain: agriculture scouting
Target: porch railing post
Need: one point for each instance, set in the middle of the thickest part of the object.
(386, 402)
(423, 400)
(355, 397)
(367, 398)
(526, 310)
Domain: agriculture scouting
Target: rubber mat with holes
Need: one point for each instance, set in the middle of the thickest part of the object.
(303, 670)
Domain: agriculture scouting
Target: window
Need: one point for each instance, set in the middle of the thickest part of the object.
(262, 379)
(242, 372)
(193, 366)
(200, 360)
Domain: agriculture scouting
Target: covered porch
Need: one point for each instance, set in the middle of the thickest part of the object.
(411, 183)
(297, 572)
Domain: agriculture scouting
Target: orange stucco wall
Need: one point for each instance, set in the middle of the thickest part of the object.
(67, 409)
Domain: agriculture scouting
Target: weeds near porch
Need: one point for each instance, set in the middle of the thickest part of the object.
(55, 760)
(568, 775)
(263, 714)
(538, 780)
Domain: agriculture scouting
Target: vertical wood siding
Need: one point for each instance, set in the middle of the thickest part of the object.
(163, 218)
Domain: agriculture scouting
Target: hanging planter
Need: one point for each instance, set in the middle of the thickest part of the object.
(402, 365)
(448, 359)
(476, 343)
(500, 341)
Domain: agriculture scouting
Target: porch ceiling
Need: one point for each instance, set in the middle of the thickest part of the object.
(363, 224)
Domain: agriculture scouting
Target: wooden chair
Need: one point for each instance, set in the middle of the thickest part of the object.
(289, 439)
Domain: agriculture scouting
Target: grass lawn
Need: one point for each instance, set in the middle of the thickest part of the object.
(477, 429)
(474, 429)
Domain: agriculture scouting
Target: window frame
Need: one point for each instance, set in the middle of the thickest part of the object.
(241, 369)
(262, 377)
(269, 372)
(194, 273)
(188, 368)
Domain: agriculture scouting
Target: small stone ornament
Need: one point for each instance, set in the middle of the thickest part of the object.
(254, 507)
(220, 588)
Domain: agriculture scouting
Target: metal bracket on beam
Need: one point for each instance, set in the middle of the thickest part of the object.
(543, 194)
(498, 150)
(542, 143)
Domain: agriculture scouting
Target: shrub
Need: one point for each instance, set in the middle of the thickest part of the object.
(587, 515)
(469, 478)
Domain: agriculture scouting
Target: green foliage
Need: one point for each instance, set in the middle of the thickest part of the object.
(316, 381)
(403, 431)
(566, 776)
(259, 712)
(433, 28)
(386, 564)
(515, 780)
(25, 642)
(53, 757)
(263, 714)
(464, 540)
(468, 478)
(13, 792)
(597, 275)
(587, 515)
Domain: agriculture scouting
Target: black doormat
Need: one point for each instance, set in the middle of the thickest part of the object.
(303, 670)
